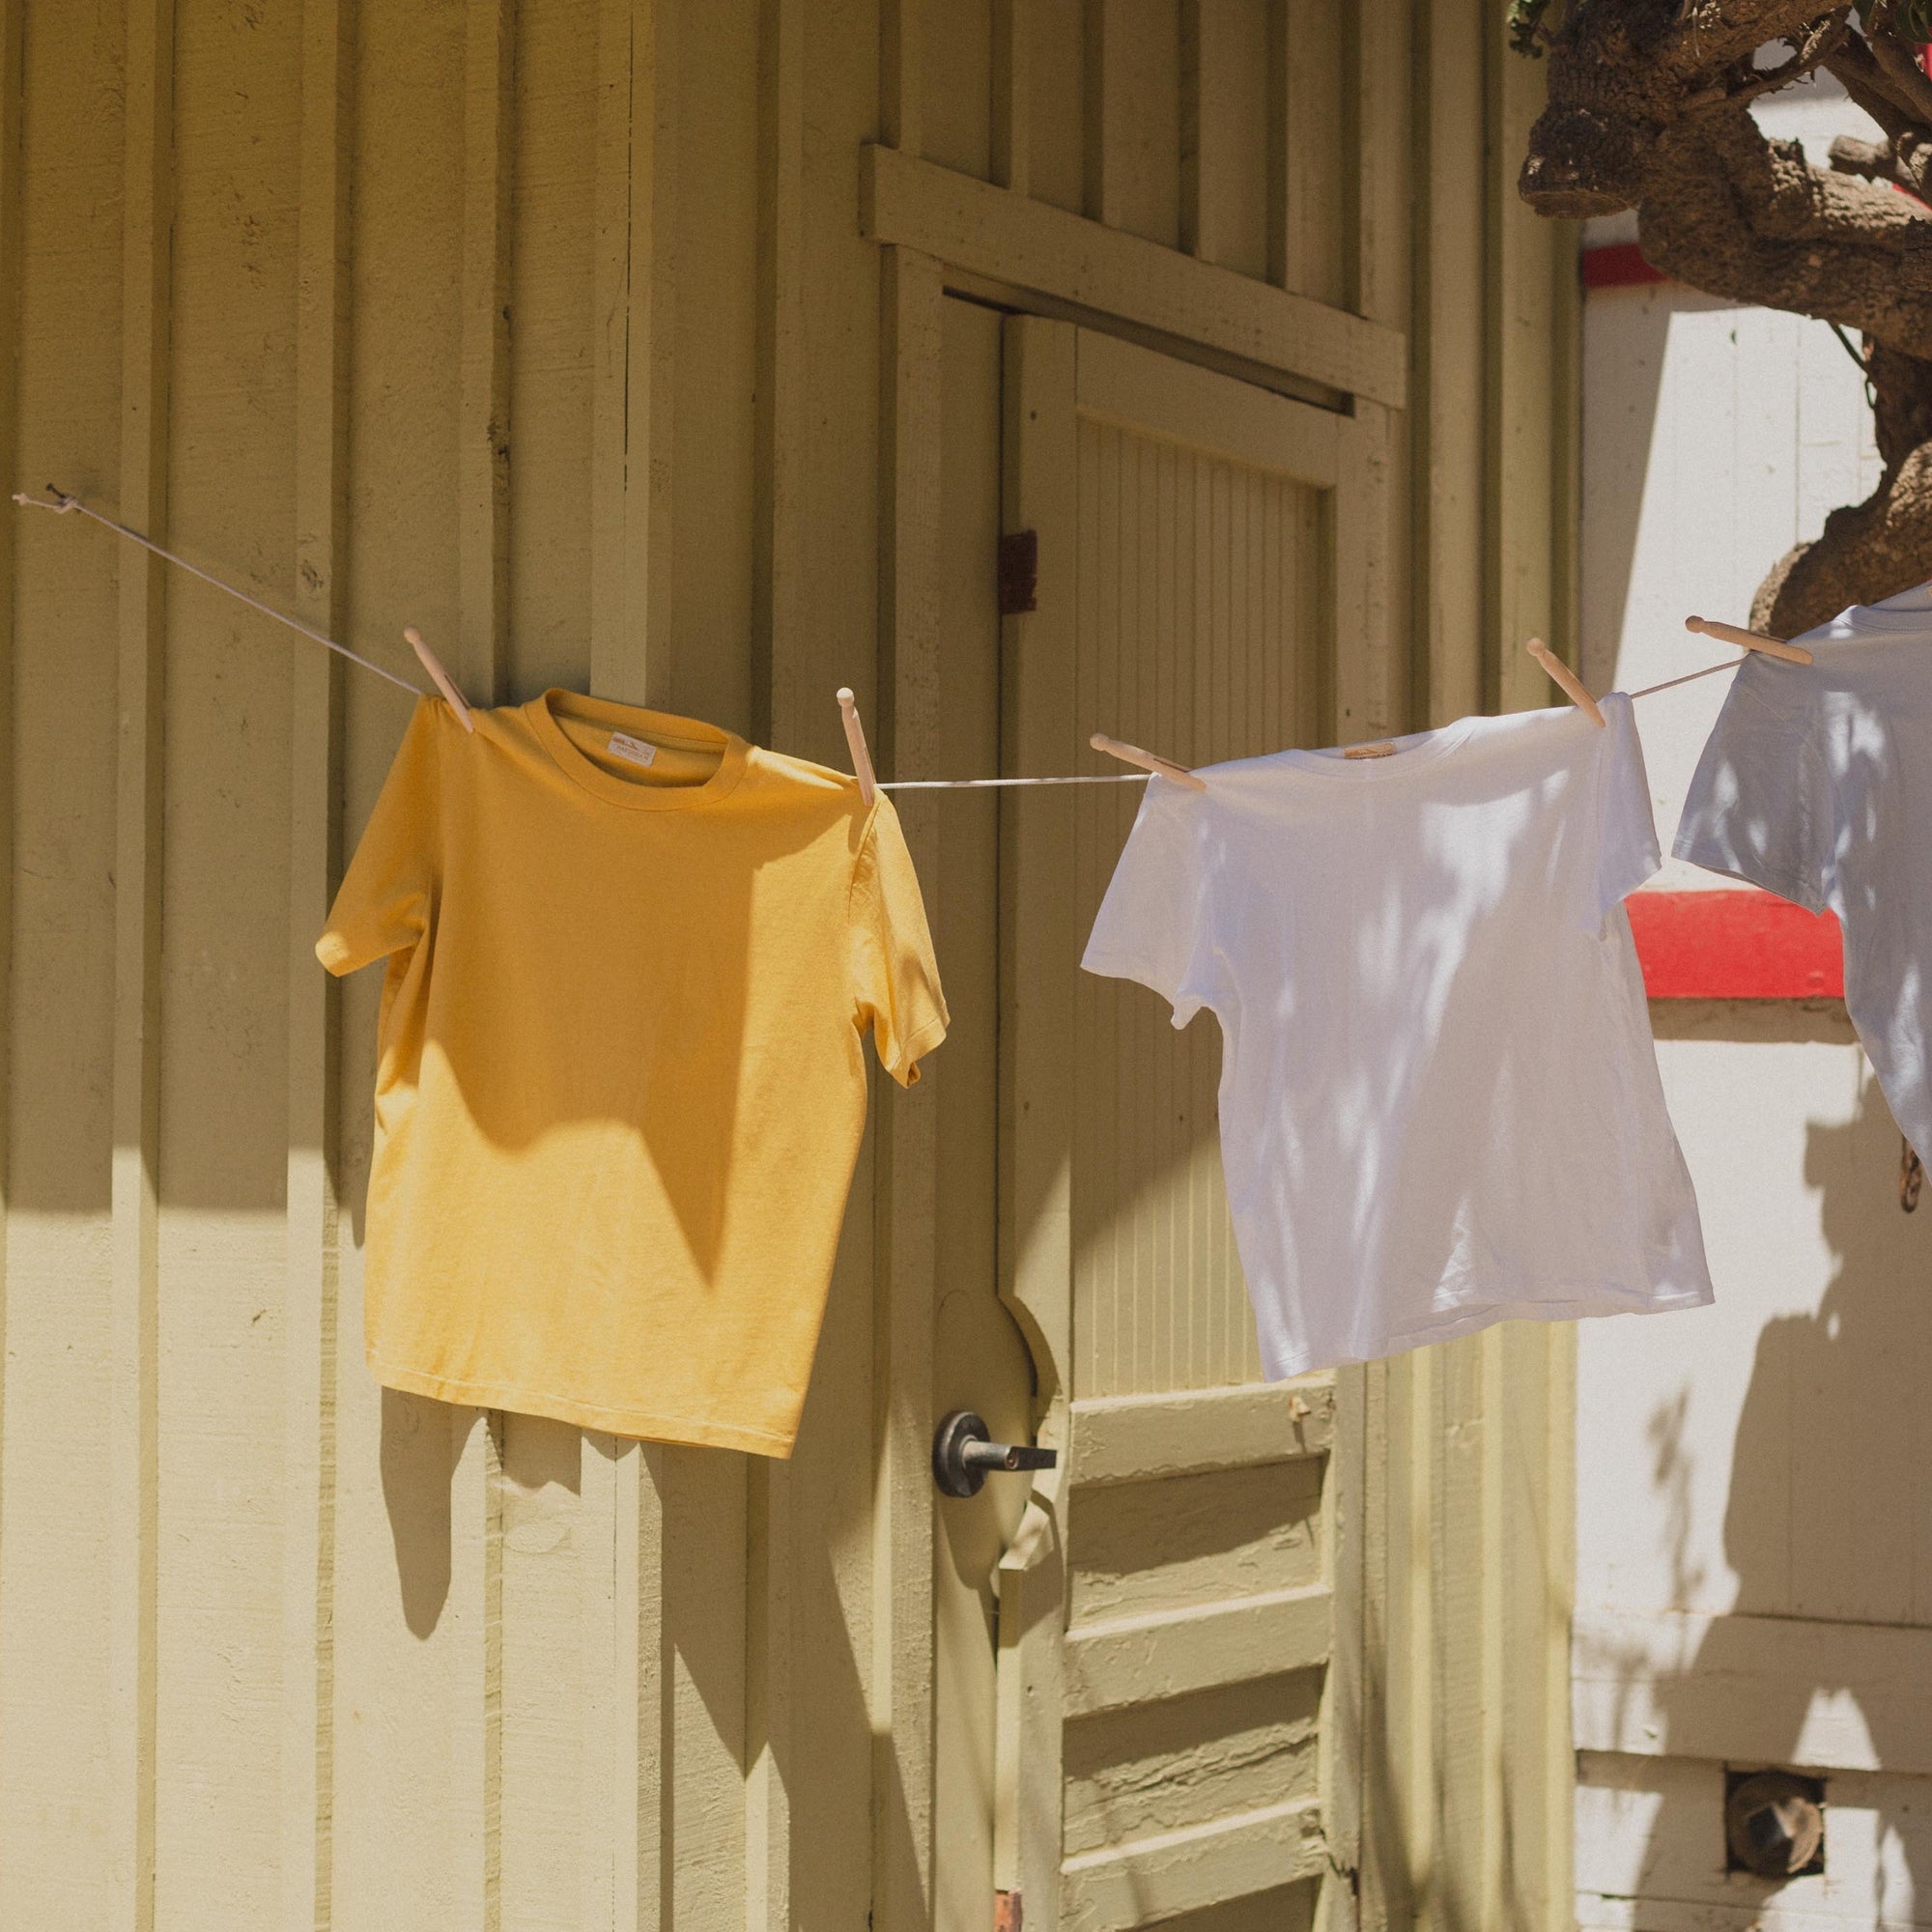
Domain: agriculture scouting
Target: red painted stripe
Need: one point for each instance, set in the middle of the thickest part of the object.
(1735, 946)
(1618, 265)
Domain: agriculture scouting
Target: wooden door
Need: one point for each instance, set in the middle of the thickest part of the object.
(1170, 1654)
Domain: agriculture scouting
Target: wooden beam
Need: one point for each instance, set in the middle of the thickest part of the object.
(1451, 619)
(1343, 1747)
(475, 1610)
(1039, 458)
(1311, 150)
(1279, 160)
(1132, 1659)
(1027, 244)
(706, 1580)
(901, 76)
(642, 1662)
(146, 226)
(1137, 1438)
(1197, 407)
(1104, 107)
(1012, 97)
(611, 1765)
(1539, 1507)
(1466, 1780)
(1192, 212)
(474, 1616)
(621, 1507)
(12, 200)
(778, 622)
(1563, 266)
(483, 436)
(1525, 439)
(315, 764)
(624, 271)
(907, 1157)
(768, 1696)
(1378, 65)
(1371, 674)
(778, 453)
(651, 355)
(1161, 1876)
(1039, 490)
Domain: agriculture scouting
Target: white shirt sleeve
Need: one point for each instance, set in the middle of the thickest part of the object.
(1155, 923)
(1627, 849)
(1759, 807)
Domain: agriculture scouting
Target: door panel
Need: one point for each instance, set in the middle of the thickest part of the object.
(1166, 1611)
(1200, 582)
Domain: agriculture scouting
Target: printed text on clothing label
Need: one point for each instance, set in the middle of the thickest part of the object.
(634, 749)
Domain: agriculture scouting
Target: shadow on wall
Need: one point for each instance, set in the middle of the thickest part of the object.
(419, 1454)
(707, 1507)
(1623, 423)
(1823, 1520)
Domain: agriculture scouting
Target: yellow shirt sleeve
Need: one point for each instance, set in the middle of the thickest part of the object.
(383, 901)
(896, 978)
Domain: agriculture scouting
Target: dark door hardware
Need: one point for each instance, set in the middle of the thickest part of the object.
(963, 1452)
(1019, 573)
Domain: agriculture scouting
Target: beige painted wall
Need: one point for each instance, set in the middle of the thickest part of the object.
(589, 337)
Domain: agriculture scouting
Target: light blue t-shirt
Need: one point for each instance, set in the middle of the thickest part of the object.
(1816, 784)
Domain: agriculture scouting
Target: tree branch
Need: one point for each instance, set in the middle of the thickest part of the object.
(1908, 84)
(1852, 62)
(1748, 219)
(1647, 109)
(1810, 53)
(1866, 552)
(1712, 35)
(1906, 163)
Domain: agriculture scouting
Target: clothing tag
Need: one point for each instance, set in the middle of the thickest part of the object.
(633, 750)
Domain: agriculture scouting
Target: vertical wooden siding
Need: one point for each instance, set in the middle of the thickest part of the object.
(1192, 571)
(549, 326)
(1471, 1445)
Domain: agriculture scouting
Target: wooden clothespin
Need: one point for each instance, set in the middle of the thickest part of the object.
(855, 739)
(1566, 680)
(441, 677)
(1148, 761)
(1750, 641)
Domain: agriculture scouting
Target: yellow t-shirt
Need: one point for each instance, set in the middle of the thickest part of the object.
(621, 1081)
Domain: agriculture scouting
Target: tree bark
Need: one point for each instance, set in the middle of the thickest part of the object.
(1648, 110)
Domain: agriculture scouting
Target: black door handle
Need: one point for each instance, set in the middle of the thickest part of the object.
(963, 1452)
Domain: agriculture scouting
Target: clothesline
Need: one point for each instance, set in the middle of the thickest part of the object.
(1141, 777)
(63, 503)
(965, 784)
(1688, 677)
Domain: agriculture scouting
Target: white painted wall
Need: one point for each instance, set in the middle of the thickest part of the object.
(1755, 1509)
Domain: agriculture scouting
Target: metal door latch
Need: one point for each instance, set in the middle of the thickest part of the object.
(963, 1451)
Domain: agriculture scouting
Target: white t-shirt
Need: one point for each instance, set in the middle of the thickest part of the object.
(1817, 785)
(1439, 1101)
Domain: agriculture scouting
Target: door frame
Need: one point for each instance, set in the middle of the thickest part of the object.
(1055, 373)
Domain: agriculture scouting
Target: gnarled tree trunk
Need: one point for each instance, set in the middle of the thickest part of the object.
(1649, 109)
